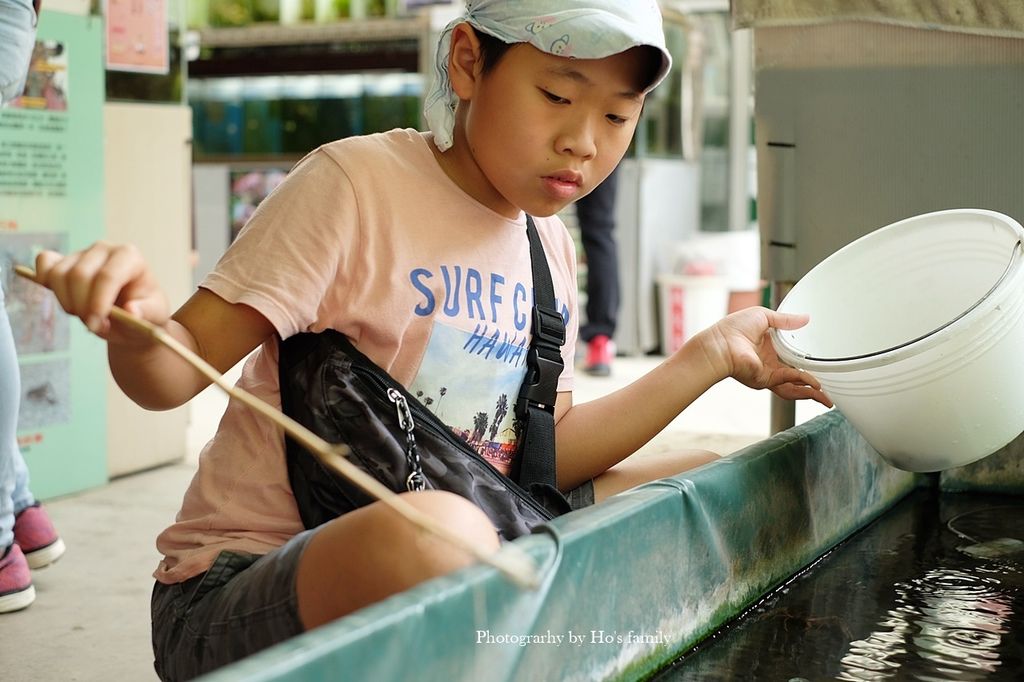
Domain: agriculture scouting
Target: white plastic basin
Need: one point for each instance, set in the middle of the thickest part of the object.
(917, 335)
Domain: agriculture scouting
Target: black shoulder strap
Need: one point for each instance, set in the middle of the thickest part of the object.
(535, 407)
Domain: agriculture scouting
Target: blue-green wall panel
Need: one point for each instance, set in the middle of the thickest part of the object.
(1001, 472)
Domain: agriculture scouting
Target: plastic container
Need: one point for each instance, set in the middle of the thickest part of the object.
(391, 100)
(261, 115)
(917, 335)
(300, 114)
(689, 303)
(218, 129)
(341, 106)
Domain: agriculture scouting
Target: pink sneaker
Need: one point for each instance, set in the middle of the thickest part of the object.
(35, 534)
(600, 351)
(16, 591)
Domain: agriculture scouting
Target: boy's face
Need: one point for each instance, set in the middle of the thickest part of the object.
(543, 131)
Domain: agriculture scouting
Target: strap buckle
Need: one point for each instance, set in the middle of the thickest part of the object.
(544, 362)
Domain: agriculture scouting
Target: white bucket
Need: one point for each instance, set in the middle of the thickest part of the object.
(917, 335)
(689, 304)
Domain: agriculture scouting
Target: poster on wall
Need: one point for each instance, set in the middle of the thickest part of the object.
(137, 36)
(47, 84)
(51, 197)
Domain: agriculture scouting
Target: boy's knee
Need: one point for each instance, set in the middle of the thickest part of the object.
(456, 513)
(640, 469)
(696, 458)
(393, 554)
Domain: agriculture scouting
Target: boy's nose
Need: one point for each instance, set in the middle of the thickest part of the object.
(577, 140)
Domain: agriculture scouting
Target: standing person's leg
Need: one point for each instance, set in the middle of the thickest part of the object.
(16, 591)
(16, 484)
(17, 36)
(26, 534)
(596, 214)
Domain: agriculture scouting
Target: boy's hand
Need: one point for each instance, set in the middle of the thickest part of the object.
(739, 346)
(89, 283)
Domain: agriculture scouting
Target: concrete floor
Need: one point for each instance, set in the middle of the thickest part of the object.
(90, 620)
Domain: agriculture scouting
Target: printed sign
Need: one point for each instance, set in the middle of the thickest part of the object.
(137, 36)
(51, 197)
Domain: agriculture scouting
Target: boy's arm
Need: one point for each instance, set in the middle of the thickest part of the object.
(90, 282)
(594, 436)
(221, 333)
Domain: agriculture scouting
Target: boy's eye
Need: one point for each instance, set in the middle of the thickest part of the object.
(616, 119)
(553, 97)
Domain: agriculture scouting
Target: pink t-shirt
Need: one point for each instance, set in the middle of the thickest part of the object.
(370, 237)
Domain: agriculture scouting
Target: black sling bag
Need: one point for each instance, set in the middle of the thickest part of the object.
(338, 393)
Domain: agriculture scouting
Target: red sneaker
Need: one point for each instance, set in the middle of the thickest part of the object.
(35, 534)
(600, 351)
(16, 591)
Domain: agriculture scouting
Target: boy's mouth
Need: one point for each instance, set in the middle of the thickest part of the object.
(568, 176)
(564, 184)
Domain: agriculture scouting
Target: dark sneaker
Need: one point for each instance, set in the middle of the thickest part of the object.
(16, 591)
(600, 351)
(34, 533)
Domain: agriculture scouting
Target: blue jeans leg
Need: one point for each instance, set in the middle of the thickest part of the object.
(17, 38)
(14, 492)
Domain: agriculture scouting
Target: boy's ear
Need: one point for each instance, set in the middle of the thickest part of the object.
(464, 60)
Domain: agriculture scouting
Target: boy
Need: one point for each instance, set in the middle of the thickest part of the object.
(409, 244)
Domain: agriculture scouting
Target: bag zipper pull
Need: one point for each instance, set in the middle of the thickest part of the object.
(415, 482)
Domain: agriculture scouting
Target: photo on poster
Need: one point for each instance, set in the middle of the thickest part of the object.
(45, 394)
(46, 88)
(248, 189)
(38, 323)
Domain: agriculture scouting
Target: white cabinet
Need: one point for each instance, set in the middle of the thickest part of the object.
(147, 152)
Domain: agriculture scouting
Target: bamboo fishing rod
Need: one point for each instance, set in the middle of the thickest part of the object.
(510, 560)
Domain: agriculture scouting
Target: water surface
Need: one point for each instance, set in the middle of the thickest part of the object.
(932, 590)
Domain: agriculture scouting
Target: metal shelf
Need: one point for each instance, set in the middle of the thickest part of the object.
(342, 31)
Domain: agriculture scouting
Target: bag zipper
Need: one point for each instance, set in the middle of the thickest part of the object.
(415, 481)
(429, 420)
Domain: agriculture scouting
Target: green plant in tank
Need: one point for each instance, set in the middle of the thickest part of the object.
(231, 12)
(266, 10)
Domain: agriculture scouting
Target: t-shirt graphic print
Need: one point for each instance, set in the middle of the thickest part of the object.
(470, 381)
